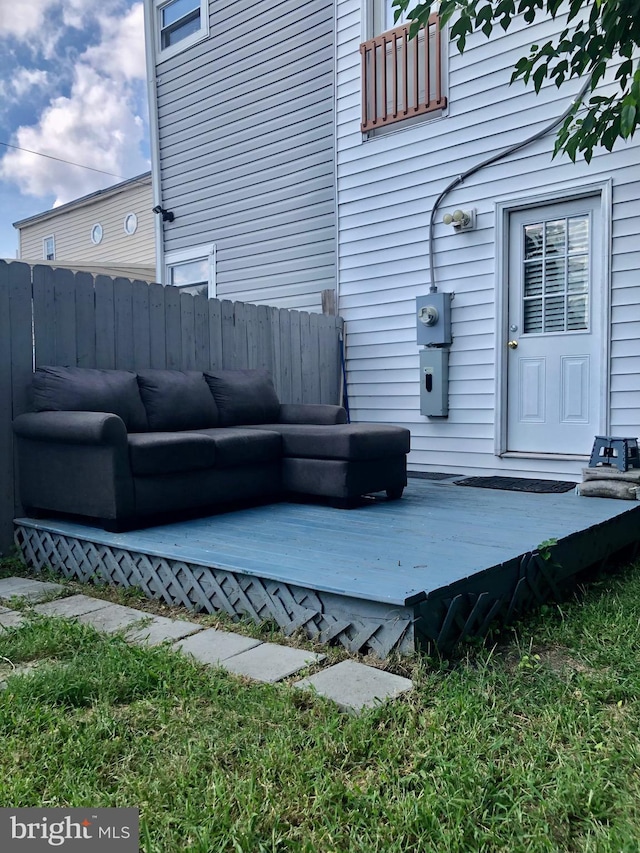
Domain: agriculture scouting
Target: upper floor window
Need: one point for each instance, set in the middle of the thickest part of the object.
(179, 24)
(384, 16)
(192, 270)
(49, 248)
(401, 77)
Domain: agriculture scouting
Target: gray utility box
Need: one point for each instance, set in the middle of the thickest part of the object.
(433, 319)
(434, 382)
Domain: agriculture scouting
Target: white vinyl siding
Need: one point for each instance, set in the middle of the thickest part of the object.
(246, 150)
(74, 225)
(386, 188)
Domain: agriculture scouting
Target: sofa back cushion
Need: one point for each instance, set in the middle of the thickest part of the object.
(177, 400)
(244, 396)
(84, 389)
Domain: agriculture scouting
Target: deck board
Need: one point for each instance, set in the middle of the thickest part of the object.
(390, 552)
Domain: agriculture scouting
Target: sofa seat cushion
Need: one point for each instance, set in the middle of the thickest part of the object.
(244, 396)
(156, 453)
(341, 441)
(177, 400)
(84, 389)
(237, 447)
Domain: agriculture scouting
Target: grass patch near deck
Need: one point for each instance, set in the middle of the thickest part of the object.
(530, 746)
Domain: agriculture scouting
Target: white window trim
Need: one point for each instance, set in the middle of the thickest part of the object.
(368, 31)
(194, 38)
(374, 13)
(95, 227)
(502, 211)
(207, 250)
(44, 247)
(134, 218)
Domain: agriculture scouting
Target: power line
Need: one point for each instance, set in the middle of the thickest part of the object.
(60, 160)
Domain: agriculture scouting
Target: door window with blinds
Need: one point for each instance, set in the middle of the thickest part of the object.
(556, 275)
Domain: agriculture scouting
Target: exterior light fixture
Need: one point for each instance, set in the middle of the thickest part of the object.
(462, 220)
(167, 215)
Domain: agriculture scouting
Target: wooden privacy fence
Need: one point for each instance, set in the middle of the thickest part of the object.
(55, 316)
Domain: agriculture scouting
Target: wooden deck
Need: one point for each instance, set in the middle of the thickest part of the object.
(439, 564)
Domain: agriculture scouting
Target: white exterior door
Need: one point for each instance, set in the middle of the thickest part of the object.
(554, 358)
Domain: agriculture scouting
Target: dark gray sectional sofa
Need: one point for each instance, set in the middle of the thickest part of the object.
(121, 448)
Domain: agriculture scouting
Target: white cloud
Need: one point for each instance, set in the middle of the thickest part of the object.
(21, 19)
(75, 13)
(40, 23)
(96, 126)
(121, 50)
(99, 124)
(24, 80)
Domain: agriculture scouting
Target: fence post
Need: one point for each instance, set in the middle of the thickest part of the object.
(16, 365)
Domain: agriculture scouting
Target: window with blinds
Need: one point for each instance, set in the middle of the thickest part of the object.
(556, 275)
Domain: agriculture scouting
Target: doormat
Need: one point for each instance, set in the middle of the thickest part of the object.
(517, 484)
(430, 475)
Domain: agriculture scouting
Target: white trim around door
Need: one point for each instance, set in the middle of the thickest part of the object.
(600, 309)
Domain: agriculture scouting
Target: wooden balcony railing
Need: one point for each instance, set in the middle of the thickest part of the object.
(401, 77)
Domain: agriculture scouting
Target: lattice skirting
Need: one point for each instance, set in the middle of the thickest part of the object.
(358, 625)
(520, 585)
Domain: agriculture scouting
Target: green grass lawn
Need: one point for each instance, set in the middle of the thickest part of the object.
(533, 745)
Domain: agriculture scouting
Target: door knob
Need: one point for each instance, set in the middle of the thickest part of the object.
(512, 344)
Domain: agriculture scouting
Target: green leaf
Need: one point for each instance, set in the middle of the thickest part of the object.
(627, 120)
(539, 76)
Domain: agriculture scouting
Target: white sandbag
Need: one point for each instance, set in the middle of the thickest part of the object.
(607, 472)
(608, 489)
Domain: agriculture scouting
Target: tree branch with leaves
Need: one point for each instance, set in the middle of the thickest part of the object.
(597, 36)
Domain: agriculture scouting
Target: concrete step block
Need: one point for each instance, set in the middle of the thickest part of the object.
(212, 647)
(354, 686)
(270, 662)
(27, 588)
(113, 617)
(71, 607)
(11, 619)
(161, 630)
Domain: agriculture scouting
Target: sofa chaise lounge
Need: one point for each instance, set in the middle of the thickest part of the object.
(120, 448)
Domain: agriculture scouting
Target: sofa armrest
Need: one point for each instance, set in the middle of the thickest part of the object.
(75, 462)
(97, 428)
(312, 413)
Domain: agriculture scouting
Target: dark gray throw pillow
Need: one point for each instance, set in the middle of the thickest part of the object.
(244, 396)
(85, 389)
(177, 400)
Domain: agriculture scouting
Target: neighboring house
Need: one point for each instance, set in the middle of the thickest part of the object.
(111, 230)
(244, 112)
(546, 314)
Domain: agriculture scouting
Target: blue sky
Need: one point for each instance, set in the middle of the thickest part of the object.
(72, 85)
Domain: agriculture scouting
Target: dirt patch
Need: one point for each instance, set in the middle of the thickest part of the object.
(560, 661)
(7, 668)
(555, 658)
